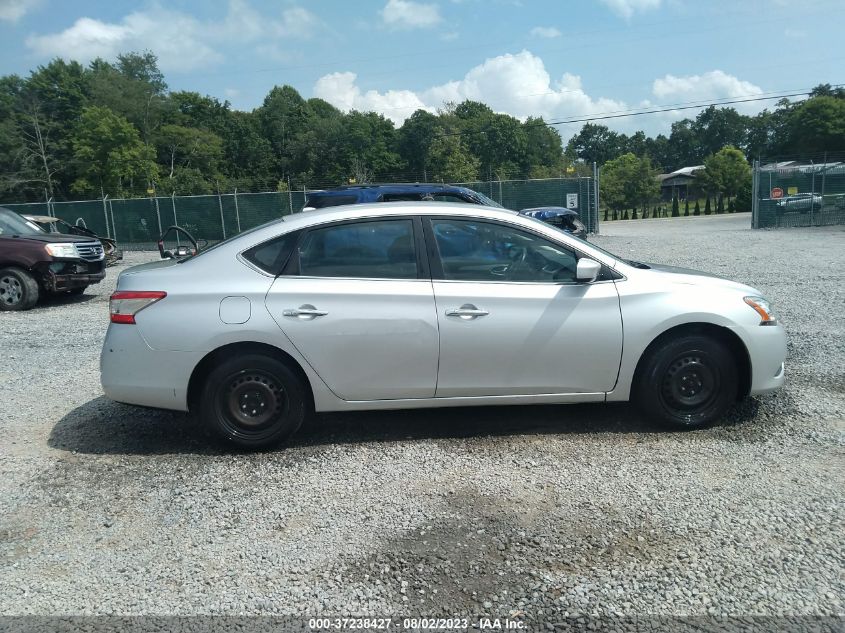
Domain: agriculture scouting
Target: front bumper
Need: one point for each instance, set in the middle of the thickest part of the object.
(61, 275)
(767, 350)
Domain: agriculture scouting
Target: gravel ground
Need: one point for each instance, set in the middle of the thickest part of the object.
(542, 511)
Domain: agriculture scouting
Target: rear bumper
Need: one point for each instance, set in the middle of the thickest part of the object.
(132, 372)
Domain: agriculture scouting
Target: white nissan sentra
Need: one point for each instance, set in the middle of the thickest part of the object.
(422, 304)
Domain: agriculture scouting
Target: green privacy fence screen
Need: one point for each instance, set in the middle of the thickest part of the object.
(798, 193)
(138, 222)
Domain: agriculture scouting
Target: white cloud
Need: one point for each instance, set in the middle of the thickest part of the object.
(405, 14)
(545, 31)
(712, 85)
(627, 8)
(340, 90)
(297, 22)
(175, 37)
(516, 84)
(14, 10)
(181, 42)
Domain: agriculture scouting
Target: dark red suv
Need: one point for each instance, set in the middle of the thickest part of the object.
(33, 262)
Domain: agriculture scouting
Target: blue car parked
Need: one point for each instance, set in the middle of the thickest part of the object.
(566, 219)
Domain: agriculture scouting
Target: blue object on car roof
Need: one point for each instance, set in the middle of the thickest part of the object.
(357, 194)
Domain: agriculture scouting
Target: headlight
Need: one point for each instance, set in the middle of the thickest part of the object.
(62, 250)
(762, 307)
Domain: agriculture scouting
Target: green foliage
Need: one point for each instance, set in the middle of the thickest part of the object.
(707, 206)
(109, 154)
(686, 207)
(628, 182)
(450, 160)
(675, 212)
(720, 204)
(726, 172)
(742, 202)
(697, 209)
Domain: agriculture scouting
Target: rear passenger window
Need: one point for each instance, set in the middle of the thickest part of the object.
(369, 250)
(272, 256)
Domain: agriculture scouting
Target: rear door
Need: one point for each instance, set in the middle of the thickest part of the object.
(357, 302)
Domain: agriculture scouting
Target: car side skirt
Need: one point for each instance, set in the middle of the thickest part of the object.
(473, 401)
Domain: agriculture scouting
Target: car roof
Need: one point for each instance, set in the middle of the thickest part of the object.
(393, 187)
(386, 209)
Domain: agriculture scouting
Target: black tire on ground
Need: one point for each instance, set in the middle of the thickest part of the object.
(77, 291)
(253, 401)
(18, 289)
(687, 382)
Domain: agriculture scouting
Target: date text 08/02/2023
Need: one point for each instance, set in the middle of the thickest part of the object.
(418, 624)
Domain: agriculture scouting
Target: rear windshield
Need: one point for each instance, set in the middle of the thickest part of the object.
(13, 224)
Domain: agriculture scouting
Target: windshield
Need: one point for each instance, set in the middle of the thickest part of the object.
(575, 237)
(487, 201)
(13, 224)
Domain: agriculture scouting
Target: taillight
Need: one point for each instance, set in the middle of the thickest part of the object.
(125, 304)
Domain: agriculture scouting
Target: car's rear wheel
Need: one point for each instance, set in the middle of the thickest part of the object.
(18, 289)
(687, 382)
(253, 401)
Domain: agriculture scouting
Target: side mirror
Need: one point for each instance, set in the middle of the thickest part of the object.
(587, 270)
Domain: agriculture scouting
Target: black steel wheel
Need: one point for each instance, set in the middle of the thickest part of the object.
(253, 401)
(687, 382)
(18, 289)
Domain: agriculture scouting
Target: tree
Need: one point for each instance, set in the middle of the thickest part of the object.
(726, 172)
(675, 212)
(686, 206)
(697, 209)
(628, 182)
(134, 88)
(451, 161)
(816, 125)
(415, 138)
(109, 154)
(182, 148)
(594, 144)
(707, 205)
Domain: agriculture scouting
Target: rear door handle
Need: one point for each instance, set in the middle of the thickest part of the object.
(306, 311)
(467, 312)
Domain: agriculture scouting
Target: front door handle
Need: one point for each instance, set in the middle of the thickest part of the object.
(306, 311)
(467, 312)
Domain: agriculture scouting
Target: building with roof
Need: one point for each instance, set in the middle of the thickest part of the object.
(679, 181)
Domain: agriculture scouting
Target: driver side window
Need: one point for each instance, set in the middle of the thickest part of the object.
(471, 250)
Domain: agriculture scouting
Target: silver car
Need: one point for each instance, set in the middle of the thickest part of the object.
(403, 305)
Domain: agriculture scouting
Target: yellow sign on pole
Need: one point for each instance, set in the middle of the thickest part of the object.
(791, 191)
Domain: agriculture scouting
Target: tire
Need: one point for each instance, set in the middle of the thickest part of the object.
(77, 291)
(18, 289)
(253, 401)
(687, 382)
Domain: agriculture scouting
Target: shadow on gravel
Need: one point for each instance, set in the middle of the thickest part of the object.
(54, 300)
(102, 426)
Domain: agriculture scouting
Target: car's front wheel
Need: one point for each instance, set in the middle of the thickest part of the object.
(253, 401)
(687, 382)
(18, 289)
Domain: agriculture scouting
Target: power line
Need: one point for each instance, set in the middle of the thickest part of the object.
(600, 116)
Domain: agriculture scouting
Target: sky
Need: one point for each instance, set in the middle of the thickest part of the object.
(564, 59)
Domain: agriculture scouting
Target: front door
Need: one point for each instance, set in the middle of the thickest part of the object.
(360, 310)
(514, 320)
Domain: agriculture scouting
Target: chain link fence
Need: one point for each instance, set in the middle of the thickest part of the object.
(806, 192)
(137, 223)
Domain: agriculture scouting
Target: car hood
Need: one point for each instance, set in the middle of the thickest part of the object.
(688, 276)
(52, 238)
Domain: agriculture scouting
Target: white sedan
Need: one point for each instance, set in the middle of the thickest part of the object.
(404, 305)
